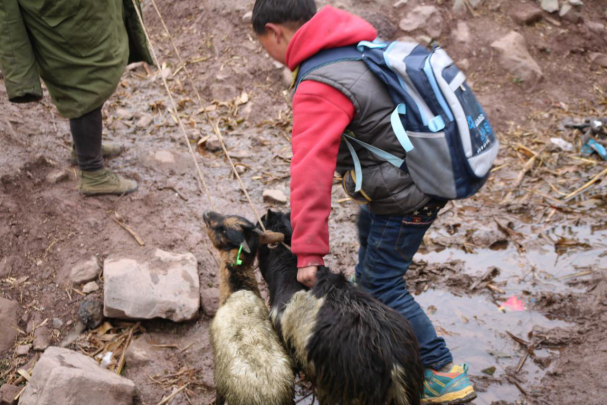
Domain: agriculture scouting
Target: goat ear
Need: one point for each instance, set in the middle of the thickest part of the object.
(269, 237)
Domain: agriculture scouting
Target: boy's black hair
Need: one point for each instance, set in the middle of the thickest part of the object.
(293, 13)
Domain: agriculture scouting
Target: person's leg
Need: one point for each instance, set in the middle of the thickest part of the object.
(391, 244)
(94, 179)
(363, 223)
(86, 132)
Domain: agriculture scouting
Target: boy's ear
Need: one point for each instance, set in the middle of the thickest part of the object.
(275, 32)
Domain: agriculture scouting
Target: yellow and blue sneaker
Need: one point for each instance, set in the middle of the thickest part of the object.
(448, 388)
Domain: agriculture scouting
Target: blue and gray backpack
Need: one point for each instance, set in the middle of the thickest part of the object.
(453, 158)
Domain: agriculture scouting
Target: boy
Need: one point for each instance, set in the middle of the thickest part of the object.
(332, 99)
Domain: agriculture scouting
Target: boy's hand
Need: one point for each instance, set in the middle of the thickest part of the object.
(307, 275)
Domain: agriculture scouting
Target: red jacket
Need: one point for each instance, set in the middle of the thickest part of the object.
(320, 116)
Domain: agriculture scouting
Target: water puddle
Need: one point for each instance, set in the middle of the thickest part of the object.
(475, 331)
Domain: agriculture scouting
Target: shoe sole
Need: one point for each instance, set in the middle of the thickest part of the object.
(109, 193)
(454, 398)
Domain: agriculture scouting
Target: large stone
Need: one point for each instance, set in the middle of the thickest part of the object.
(461, 35)
(91, 313)
(140, 352)
(65, 377)
(515, 58)
(210, 301)
(151, 283)
(9, 322)
(459, 8)
(85, 271)
(550, 6)
(599, 59)
(595, 26)
(42, 338)
(569, 13)
(426, 18)
(8, 393)
(274, 197)
(525, 14)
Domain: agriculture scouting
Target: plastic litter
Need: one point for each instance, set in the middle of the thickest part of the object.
(561, 143)
(513, 304)
(592, 146)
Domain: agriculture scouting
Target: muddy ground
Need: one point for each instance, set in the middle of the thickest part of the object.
(524, 240)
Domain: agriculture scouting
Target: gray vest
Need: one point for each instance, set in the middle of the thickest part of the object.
(390, 189)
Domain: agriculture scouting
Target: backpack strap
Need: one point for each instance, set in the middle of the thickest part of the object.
(327, 57)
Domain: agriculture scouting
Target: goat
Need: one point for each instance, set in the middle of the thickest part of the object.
(251, 364)
(355, 349)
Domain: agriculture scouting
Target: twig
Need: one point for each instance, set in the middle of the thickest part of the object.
(522, 362)
(184, 198)
(520, 341)
(585, 186)
(118, 219)
(167, 399)
(126, 346)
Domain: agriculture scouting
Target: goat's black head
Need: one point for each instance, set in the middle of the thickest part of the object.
(235, 233)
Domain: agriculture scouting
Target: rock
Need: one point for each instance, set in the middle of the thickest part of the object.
(400, 3)
(461, 35)
(9, 320)
(550, 6)
(169, 161)
(287, 77)
(167, 285)
(459, 8)
(274, 196)
(210, 301)
(140, 352)
(42, 338)
(595, 27)
(515, 58)
(144, 121)
(57, 176)
(90, 287)
(124, 114)
(163, 156)
(57, 323)
(91, 313)
(598, 59)
(526, 14)
(75, 333)
(475, 3)
(576, 3)
(66, 377)
(384, 26)
(426, 18)
(569, 13)
(8, 393)
(424, 40)
(23, 350)
(248, 17)
(213, 145)
(85, 271)
(464, 64)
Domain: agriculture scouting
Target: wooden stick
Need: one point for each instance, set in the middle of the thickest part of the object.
(585, 186)
(167, 399)
(118, 219)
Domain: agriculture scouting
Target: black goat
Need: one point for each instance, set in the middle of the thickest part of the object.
(355, 349)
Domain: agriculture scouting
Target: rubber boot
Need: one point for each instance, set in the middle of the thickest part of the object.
(108, 150)
(105, 182)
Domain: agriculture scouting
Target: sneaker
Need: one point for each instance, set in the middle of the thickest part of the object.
(108, 150)
(450, 388)
(105, 182)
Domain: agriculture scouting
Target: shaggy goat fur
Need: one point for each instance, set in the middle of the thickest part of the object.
(355, 349)
(251, 365)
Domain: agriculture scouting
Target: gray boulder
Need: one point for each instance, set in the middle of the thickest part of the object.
(65, 377)
(515, 58)
(151, 283)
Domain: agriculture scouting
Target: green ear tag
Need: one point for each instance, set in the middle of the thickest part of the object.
(238, 259)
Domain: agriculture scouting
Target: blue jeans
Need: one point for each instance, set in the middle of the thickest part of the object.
(387, 246)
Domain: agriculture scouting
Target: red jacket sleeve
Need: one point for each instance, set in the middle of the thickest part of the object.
(320, 116)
